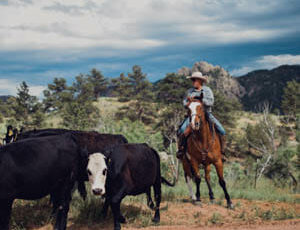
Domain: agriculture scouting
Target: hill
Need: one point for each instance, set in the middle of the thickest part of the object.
(4, 97)
(266, 85)
(219, 79)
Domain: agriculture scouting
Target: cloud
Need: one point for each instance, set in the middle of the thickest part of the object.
(9, 87)
(39, 38)
(81, 24)
(267, 62)
(37, 90)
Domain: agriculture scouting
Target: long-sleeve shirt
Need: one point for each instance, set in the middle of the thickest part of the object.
(208, 96)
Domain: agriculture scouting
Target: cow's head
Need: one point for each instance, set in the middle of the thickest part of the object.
(97, 172)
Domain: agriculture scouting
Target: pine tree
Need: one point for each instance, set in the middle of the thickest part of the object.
(290, 103)
(121, 88)
(98, 82)
(26, 107)
(57, 95)
(140, 93)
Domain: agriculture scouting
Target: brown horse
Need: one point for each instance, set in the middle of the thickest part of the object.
(203, 148)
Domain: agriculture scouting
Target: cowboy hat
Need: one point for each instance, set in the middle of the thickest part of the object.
(198, 75)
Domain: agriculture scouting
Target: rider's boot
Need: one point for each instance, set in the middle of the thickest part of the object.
(182, 142)
(223, 146)
(182, 146)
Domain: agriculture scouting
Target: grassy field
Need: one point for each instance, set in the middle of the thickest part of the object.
(265, 203)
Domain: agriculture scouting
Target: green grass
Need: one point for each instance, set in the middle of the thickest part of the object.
(276, 214)
(238, 189)
(216, 218)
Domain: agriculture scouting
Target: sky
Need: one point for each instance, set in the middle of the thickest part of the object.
(43, 39)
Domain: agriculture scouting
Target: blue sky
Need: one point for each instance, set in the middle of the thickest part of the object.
(40, 39)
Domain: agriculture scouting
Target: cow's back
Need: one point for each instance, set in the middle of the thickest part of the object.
(33, 167)
(139, 164)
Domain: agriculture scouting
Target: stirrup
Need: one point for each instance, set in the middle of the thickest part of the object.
(180, 154)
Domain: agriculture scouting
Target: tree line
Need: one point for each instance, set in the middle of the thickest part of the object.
(158, 106)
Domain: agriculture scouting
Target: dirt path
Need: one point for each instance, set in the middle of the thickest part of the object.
(274, 225)
(248, 215)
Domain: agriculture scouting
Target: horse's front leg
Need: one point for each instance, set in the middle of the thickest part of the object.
(188, 177)
(189, 182)
(207, 179)
(196, 172)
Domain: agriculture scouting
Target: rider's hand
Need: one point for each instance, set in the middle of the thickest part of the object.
(190, 99)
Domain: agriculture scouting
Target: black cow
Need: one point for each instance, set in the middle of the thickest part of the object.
(33, 168)
(127, 169)
(91, 141)
(41, 133)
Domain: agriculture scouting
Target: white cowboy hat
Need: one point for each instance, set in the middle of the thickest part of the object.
(198, 75)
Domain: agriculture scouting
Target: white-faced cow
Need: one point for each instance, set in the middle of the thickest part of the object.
(91, 141)
(33, 168)
(127, 169)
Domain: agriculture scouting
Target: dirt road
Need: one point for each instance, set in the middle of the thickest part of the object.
(180, 215)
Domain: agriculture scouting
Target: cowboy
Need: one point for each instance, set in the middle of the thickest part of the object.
(202, 91)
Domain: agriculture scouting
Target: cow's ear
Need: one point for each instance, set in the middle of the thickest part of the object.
(84, 155)
(108, 161)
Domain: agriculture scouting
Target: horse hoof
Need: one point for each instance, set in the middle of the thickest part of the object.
(230, 206)
(155, 220)
(212, 202)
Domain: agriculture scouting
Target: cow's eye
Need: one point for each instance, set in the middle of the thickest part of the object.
(89, 172)
(104, 172)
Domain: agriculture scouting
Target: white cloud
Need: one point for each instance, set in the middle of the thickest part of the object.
(268, 62)
(9, 87)
(130, 24)
(271, 61)
(37, 90)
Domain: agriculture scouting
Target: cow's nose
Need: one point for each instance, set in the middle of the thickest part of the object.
(97, 191)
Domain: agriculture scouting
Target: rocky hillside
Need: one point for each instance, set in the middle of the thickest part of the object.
(266, 85)
(219, 79)
(252, 89)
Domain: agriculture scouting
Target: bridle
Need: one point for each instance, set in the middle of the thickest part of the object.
(198, 131)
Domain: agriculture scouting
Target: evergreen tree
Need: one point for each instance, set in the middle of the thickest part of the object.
(172, 89)
(57, 95)
(80, 113)
(290, 103)
(98, 82)
(25, 108)
(140, 92)
(121, 88)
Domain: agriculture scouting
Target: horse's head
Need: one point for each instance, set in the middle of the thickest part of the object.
(196, 112)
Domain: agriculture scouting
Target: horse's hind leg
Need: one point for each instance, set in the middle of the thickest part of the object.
(219, 169)
(207, 179)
